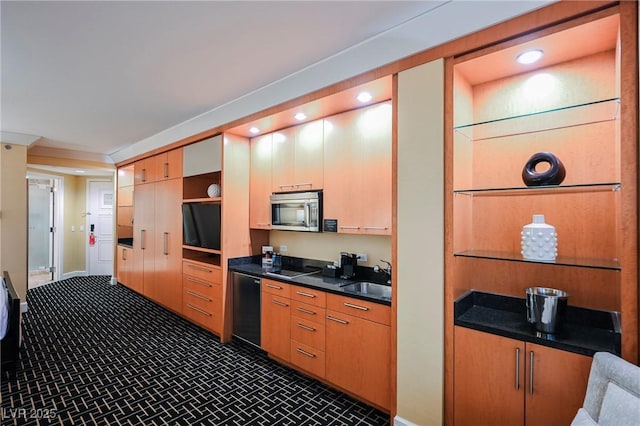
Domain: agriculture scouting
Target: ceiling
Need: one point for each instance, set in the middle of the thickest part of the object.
(108, 80)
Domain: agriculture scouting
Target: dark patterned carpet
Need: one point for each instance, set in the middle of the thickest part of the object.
(98, 354)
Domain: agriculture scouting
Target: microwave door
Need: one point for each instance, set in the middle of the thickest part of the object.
(307, 215)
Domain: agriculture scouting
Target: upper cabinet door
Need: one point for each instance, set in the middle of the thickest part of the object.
(202, 157)
(168, 165)
(282, 160)
(260, 183)
(144, 171)
(357, 177)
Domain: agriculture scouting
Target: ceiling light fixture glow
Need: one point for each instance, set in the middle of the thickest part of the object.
(529, 57)
(300, 116)
(254, 130)
(364, 97)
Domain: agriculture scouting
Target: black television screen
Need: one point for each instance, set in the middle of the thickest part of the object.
(189, 232)
(206, 218)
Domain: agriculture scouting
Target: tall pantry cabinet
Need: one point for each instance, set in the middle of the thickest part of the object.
(157, 225)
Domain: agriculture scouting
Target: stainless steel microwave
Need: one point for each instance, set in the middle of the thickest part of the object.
(297, 211)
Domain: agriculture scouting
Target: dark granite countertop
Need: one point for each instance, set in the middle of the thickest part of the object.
(253, 266)
(583, 331)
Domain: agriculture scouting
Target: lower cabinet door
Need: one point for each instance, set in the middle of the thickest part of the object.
(489, 379)
(556, 385)
(358, 355)
(275, 332)
(308, 358)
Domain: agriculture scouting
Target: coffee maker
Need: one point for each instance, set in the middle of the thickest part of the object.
(349, 262)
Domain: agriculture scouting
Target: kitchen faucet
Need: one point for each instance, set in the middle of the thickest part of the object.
(387, 270)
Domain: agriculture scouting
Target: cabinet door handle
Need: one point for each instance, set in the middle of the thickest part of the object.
(165, 170)
(199, 296)
(341, 321)
(193, 280)
(351, 305)
(263, 224)
(517, 368)
(305, 327)
(305, 311)
(195, 308)
(531, 372)
(349, 227)
(277, 287)
(375, 228)
(302, 293)
(276, 302)
(165, 250)
(303, 184)
(143, 232)
(286, 185)
(303, 352)
(124, 254)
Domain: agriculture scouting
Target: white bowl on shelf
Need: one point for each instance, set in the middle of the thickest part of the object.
(214, 190)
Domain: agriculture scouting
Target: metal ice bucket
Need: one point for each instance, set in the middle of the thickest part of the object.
(545, 308)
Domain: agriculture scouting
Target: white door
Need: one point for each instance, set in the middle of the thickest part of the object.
(100, 222)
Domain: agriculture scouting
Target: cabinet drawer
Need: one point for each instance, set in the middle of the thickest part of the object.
(308, 332)
(360, 308)
(308, 312)
(276, 287)
(309, 295)
(202, 312)
(201, 286)
(308, 358)
(205, 272)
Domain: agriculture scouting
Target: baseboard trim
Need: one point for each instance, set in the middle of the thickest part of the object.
(74, 274)
(24, 307)
(399, 421)
(114, 280)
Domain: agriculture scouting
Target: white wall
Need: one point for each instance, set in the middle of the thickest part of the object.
(420, 245)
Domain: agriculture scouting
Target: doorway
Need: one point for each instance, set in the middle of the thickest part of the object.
(100, 226)
(43, 244)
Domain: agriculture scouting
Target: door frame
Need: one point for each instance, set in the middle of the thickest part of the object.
(58, 222)
(87, 224)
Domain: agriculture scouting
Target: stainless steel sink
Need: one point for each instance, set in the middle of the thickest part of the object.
(370, 289)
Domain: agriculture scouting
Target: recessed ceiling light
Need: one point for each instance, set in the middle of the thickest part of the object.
(300, 116)
(529, 57)
(254, 130)
(364, 97)
(79, 171)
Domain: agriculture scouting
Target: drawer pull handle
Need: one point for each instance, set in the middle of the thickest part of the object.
(199, 296)
(302, 293)
(195, 308)
(341, 321)
(350, 305)
(199, 268)
(303, 352)
(305, 327)
(193, 280)
(277, 287)
(275, 302)
(305, 311)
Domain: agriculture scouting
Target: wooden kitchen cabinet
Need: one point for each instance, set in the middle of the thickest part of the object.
(124, 268)
(143, 235)
(275, 316)
(357, 179)
(202, 294)
(260, 183)
(308, 336)
(358, 350)
(167, 165)
(496, 382)
(297, 158)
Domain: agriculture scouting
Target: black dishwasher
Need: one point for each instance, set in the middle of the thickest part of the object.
(246, 308)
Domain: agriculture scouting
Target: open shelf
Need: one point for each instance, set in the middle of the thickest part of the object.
(202, 200)
(539, 190)
(198, 254)
(610, 264)
(194, 188)
(557, 118)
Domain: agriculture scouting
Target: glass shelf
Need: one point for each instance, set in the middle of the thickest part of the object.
(610, 264)
(558, 118)
(541, 190)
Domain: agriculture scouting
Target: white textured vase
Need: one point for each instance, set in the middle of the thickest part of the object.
(539, 240)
